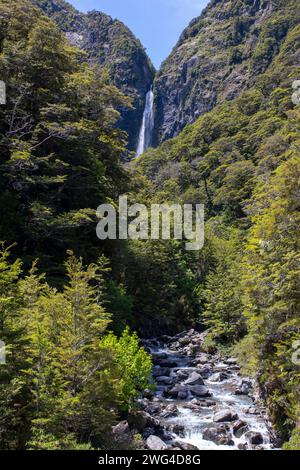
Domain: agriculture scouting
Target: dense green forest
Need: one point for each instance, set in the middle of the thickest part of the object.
(72, 307)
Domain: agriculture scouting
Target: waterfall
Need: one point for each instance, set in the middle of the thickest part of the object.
(145, 137)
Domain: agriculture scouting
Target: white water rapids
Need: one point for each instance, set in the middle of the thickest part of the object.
(195, 421)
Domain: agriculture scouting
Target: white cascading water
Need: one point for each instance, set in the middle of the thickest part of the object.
(145, 137)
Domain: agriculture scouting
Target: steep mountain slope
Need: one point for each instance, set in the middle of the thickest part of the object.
(219, 55)
(241, 160)
(110, 43)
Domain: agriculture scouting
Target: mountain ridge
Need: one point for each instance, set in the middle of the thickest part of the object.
(219, 55)
(110, 43)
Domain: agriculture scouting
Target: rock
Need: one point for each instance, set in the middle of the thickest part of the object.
(148, 432)
(182, 395)
(174, 391)
(168, 363)
(184, 341)
(158, 357)
(185, 446)
(244, 387)
(210, 403)
(218, 377)
(191, 406)
(166, 435)
(252, 411)
(164, 380)
(221, 366)
(153, 409)
(200, 391)
(225, 416)
(170, 411)
(231, 361)
(161, 371)
(205, 372)
(243, 446)
(218, 435)
(182, 374)
(202, 358)
(240, 428)
(140, 420)
(177, 429)
(194, 379)
(122, 434)
(155, 443)
(254, 438)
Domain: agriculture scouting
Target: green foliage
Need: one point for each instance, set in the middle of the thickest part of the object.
(271, 287)
(222, 292)
(65, 382)
(132, 362)
(294, 442)
(60, 148)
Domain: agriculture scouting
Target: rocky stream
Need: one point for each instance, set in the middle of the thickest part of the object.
(201, 401)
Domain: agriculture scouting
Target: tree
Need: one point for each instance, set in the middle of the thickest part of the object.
(271, 285)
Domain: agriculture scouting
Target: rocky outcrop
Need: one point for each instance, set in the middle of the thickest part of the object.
(109, 43)
(220, 54)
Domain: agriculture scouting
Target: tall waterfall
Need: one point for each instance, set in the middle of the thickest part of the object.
(145, 137)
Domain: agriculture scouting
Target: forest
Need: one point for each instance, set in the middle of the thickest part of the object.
(73, 308)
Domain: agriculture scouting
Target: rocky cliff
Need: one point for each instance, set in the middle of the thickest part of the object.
(219, 55)
(110, 43)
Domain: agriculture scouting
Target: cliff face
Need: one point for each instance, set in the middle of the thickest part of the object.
(218, 55)
(111, 44)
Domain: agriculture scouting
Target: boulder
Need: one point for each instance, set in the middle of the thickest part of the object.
(170, 411)
(155, 443)
(240, 428)
(174, 391)
(153, 409)
(210, 403)
(202, 358)
(194, 379)
(161, 371)
(185, 446)
(182, 374)
(218, 377)
(200, 391)
(121, 434)
(140, 420)
(218, 435)
(164, 380)
(243, 446)
(177, 429)
(205, 372)
(225, 416)
(243, 389)
(254, 438)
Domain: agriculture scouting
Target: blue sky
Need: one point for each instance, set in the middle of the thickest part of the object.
(157, 23)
